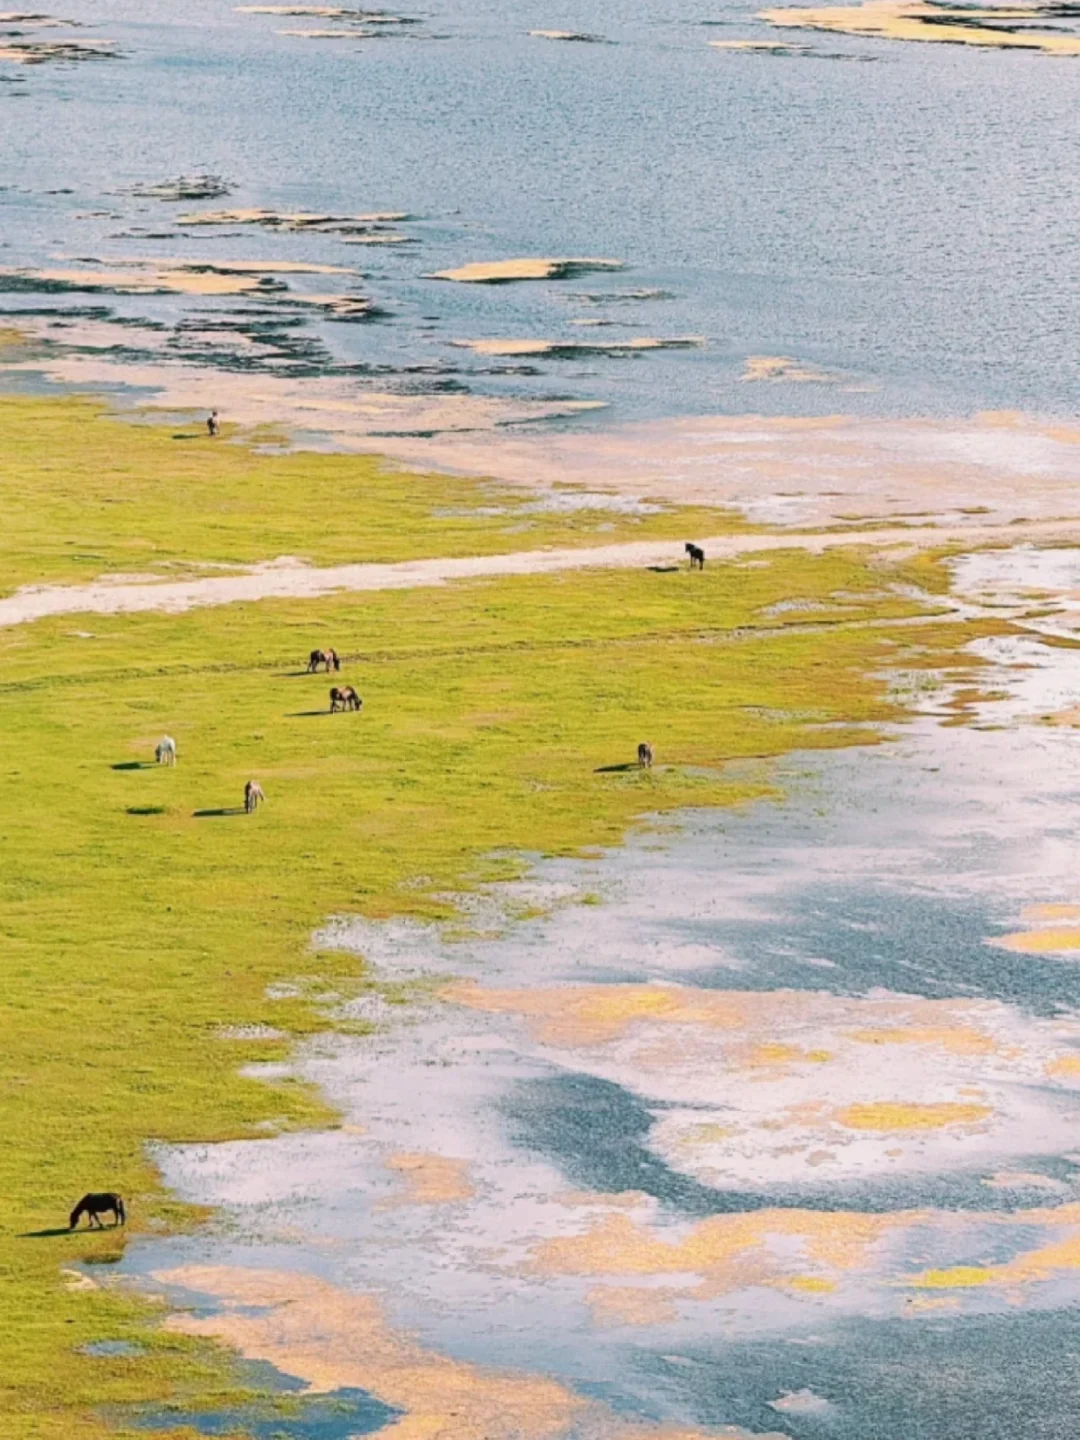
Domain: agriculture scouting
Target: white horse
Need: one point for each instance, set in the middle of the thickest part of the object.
(165, 754)
(252, 796)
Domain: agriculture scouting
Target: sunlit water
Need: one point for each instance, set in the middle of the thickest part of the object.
(895, 216)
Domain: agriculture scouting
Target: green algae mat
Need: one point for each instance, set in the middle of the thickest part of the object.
(145, 920)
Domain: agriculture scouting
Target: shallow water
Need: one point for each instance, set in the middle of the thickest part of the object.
(764, 1123)
(900, 224)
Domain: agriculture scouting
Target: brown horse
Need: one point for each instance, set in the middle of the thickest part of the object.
(94, 1205)
(330, 658)
(645, 755)
(344, 697)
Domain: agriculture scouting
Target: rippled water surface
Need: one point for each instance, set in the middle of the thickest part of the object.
(898, 218)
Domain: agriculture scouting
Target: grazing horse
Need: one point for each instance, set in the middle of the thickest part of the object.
(697, 555)
(252, 796)
(344, 698)
(330, 658)
(645, 755)
(165, 754)
(93, 1206)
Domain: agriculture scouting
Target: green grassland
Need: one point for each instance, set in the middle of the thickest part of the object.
(83, 493)
(135, 930)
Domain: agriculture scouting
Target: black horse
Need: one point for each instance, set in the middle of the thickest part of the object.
(93, 1206)
(697, 555)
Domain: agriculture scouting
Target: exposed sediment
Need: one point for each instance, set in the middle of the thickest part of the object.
(1018, 27)
(501, 272)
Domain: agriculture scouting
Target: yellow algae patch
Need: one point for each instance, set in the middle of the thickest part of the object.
(578, 347)
(430, 1180)
(1039, 942)
(776, 1054)
(780, 367)
(334, 1339)
(958, 1277)
(810, 1284)
(917, 20)
(957, 1040)
(500, 272)
(707, 1134)
(1065, 1067)
(628, 1305)
(571, 1014)
(1035, 914)
(726, 1252)
(886, 1115)
(594, 1014)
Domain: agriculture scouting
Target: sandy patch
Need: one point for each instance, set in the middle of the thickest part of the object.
(780, 367)
(334, 1339)
(794, 471)
(573, 348)
(289, 220)
(41, 52)
(1004, 26)
(501, 272)
(338, 411)
(886, 1116)
(579, 35)
(430, 1180)
(146, 280)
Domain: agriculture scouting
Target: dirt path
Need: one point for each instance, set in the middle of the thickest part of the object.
(293, 580)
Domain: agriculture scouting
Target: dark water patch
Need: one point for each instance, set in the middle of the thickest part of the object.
(597, 1133)
(110, 1349)
(993, 1377)
(184, 187)
(339, 1415)
(848, 940)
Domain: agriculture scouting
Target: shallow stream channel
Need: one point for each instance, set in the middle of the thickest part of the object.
(765, 1123)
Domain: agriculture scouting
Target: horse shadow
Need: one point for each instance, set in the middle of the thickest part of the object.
(306, 714)
(616, 769)
(135, 765)
(46, 1234)
(146, 810)
(662, 569)
(224, 810)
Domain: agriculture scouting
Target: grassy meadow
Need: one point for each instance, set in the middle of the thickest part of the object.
(84, 494)
(139, 933)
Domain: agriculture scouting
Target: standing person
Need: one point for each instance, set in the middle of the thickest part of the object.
(212, 425)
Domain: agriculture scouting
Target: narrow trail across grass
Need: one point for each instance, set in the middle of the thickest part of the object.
(295, 580)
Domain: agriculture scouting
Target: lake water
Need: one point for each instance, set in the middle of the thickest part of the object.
(899, 218)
